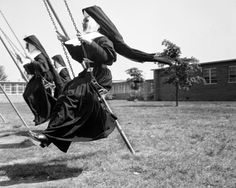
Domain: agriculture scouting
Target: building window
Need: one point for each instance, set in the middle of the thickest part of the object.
(2, 88)
(210, 75)
(7, 88)
(232, 74)
(13, 89)
(151, 87)
(21, 88)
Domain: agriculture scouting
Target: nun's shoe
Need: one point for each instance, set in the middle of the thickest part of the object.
(44, 141)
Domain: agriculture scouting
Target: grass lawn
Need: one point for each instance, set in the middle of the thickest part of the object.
(193, 145)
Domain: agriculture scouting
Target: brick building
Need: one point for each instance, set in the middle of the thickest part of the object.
(220, 84)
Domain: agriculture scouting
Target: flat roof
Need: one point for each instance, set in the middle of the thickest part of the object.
(203, 63)
(12, 82)
(220, 61)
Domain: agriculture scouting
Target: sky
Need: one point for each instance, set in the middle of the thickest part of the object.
(204, 29)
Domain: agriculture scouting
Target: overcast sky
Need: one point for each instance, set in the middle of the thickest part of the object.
(204, 29)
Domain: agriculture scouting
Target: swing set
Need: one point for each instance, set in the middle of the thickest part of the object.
(98, 88)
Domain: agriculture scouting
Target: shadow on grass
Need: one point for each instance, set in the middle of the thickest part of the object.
(26, 133)
(150, 105)
(17, 133)
(36, 172)
(24, 144)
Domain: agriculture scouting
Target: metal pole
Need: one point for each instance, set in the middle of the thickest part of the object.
(50, 9)
(14, 107)
(12, 31)
(122, 133)
(23, 75)
(59, 22)
(14, 48)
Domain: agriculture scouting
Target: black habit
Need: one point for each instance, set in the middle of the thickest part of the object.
(39, 99)
(78, 114)
(63, 73)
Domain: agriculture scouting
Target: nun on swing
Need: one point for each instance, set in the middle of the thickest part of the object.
(78, 114)
(40, 91)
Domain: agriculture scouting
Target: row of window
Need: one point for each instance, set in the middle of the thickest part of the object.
(120, 88)
(125, 87)
(210, 75)
(10, 88)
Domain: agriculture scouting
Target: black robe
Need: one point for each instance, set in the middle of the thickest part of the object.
(40, 100)
(78, 114)
(64, 75)
(65, 78)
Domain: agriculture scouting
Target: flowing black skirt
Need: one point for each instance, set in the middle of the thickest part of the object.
(79, 115)
(39, 100)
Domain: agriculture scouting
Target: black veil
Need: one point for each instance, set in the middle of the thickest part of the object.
(59, 59)
(108, 29)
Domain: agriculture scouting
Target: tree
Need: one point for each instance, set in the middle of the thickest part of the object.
(135, 80)
(3, 76)
(183, 72)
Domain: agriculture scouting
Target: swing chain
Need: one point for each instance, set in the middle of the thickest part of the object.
(67, 57)
(50, 15)
(56, 30)
(71, 17)
(76, 29)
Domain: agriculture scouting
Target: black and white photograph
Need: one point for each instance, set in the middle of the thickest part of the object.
(118, 94)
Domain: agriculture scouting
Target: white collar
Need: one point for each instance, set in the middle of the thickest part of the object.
(92, 36)
(35, 53)
(59, 69)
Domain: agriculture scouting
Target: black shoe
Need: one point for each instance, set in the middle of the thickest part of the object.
(44, 140)
(40, 138)
(44, 144)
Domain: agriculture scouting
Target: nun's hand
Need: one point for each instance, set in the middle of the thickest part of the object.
(163, 60)
(18, 57)
(84, 38)
(28, 56)
(86, 60)
(61, 37)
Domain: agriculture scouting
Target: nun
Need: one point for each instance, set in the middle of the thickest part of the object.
(62, 70)
(39, 90)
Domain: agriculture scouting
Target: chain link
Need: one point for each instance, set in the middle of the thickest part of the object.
(50, 15)
(67, 57)
(76, 28)
(71, 17)
(56, 30)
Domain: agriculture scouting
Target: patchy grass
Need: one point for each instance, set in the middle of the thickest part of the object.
(193, 145)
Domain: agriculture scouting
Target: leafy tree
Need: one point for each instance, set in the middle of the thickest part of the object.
(183, 72)
(3, 76)
(135, 80)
